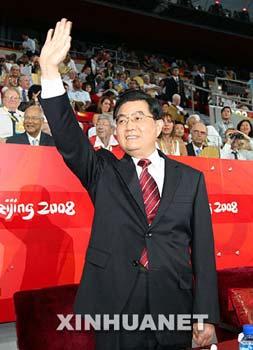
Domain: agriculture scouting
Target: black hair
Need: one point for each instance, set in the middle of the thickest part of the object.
(240, 124)
(225, 107)
(136, 95)
(106, 84)
(178, 122)
(34, 89)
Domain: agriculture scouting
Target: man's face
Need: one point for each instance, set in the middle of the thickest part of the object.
(33, 121)
(11, 100)
(137, 136)
(175, 72)
(198, 134)
(176, 100)
(25, 83)
(133, 85)
(76, 84)
(87, 70)
(25, 59)
(226, 114)
(104, 128)
(146, 79)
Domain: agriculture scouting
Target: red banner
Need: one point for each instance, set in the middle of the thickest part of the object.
(46, 216)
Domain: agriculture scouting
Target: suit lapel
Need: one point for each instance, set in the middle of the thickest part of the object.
(42, 139)
(172, 178)
(127, 171)
(25, 138)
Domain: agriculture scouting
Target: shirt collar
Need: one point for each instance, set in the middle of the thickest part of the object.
(30, 138)
(226, 122)
(154, 158)
(197, 148)
(112, 142)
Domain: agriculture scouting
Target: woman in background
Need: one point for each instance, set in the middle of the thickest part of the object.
(167, 142)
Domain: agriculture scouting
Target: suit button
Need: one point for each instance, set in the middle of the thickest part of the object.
(148, 235)
(135, 263)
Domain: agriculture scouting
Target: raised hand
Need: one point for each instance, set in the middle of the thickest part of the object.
(56, 47)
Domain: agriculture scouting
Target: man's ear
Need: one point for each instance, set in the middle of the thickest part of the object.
(159, 126)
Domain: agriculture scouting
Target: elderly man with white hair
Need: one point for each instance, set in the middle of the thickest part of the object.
(148, 86)
(104, 137)
(212, 138)
(176, 111)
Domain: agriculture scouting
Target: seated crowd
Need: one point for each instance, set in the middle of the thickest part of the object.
(93, 92)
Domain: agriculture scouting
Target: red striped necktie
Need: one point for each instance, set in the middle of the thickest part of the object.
(151, 198)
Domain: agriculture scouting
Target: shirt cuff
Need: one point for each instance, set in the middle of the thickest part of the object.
(52, 88)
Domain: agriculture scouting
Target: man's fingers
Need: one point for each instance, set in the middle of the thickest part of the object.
(49, 35)
(56, 31)
(60, 29)
(67, 45)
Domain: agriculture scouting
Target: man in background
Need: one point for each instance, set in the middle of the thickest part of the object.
(33, 122)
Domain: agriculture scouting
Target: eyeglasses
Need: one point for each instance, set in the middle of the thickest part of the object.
(199, 132)
(11, 98)
(137, 117)
(32, 119)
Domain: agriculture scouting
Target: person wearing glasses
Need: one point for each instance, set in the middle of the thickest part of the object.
(151, 249)
(11, 118)
(33, 122)
(198, 136)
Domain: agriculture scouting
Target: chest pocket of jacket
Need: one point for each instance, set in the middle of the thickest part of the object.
(97, 257)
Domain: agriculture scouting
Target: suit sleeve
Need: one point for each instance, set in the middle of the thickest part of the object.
(203, 257)
(70, 140)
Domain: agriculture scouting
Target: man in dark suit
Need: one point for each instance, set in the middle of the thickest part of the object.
(202, 81)
(198, 135)
(174, 85)
(33, 121)
(151, 248)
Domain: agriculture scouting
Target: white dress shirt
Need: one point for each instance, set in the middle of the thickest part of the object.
(6, 126)
(196, 149)
(156, 169)
(228, 153)
(34, 141)
(112, 142)
(29, 44)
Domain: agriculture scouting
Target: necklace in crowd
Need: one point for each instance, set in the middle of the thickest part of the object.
(169, 148)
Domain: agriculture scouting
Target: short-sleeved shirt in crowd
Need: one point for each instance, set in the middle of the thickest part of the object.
(10, 123)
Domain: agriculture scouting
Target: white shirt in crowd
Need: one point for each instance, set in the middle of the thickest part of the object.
(34, 141)
(196, 149)
(29, 44)
(6, 125)
(228, 153)
(112, 142)
(79, 95)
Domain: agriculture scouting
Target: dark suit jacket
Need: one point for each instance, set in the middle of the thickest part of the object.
(45, 139)
(120, 231)
(202, 82)
(199, 81)
(172, 87)
(190, 149)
